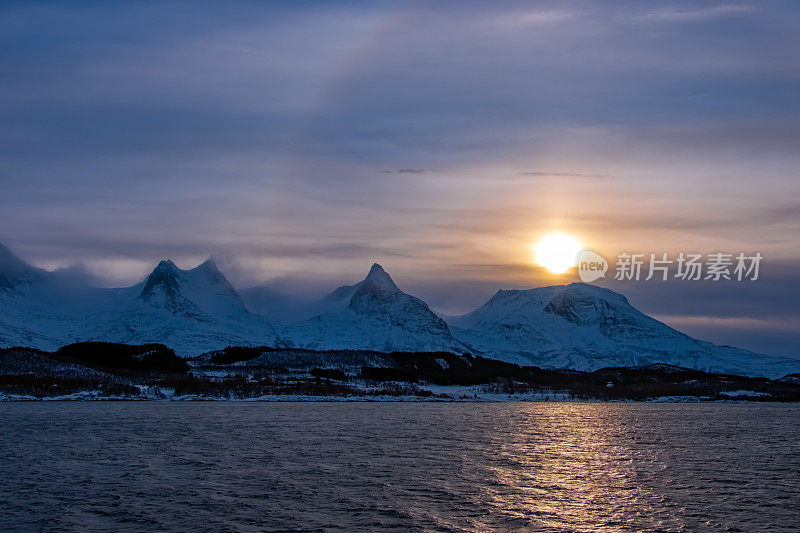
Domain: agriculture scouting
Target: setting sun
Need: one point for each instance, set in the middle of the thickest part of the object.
(557, 252)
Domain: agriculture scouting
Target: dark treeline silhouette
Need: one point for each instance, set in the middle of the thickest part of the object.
(242, 372)
(141, 358)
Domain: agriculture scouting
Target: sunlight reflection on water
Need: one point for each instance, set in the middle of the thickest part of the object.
(568, 467)
(399, 466)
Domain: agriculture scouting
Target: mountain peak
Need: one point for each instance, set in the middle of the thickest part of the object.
(594, 291)
(8, 259)
(209, 271)
(165, 265)
(164, 279)
(13, 269)
(208, 265)
(378, 276)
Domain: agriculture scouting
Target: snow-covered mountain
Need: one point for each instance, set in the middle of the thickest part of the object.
(374, 314)
(577, 326)
(31, 300)
(191, 311)
(586, 327)
(15, 273)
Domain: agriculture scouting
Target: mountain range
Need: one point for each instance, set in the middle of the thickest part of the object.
(191, 310)
(578, 326)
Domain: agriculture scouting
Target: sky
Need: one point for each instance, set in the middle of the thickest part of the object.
(299, 142)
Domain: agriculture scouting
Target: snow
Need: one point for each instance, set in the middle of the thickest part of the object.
(676, 399)
(374, 315)
(192, 311)
(585, 327)
(738, 393)
(578, 326)
(378, 276)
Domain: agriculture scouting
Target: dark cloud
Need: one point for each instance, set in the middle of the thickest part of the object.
(134, 131)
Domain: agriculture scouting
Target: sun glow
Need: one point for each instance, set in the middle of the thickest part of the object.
(557, 252)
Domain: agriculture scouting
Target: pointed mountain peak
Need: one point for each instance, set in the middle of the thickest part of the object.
(377, 280)
(166, 265)
(209, 270)
(378, 276)
(209, 264)
(164, 279)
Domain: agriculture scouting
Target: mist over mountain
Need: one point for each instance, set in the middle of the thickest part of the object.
(190, 310)
(197, 310)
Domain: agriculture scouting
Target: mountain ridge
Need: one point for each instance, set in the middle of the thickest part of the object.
(196, 310)
(192, 310)
(374, 314)
(588, 327)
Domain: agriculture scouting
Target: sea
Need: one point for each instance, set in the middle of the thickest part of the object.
(398, 466)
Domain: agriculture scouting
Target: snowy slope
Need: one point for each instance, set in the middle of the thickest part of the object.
(374, 315)
(577, 326)
(586, 327)
(36, 306)
(192, 311)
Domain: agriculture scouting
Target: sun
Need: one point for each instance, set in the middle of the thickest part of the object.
(557, 252)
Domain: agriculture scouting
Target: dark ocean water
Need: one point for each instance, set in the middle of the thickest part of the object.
(398, 466)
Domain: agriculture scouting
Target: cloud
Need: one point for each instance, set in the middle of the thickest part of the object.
(405, 171)
(778, 337)
(535, 18)
(784, 324)
(561, 174)
(693, 15)
(132, 132)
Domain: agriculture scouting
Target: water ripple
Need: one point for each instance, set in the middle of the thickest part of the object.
(399, 467)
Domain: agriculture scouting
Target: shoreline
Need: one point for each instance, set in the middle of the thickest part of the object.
(91, 397)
